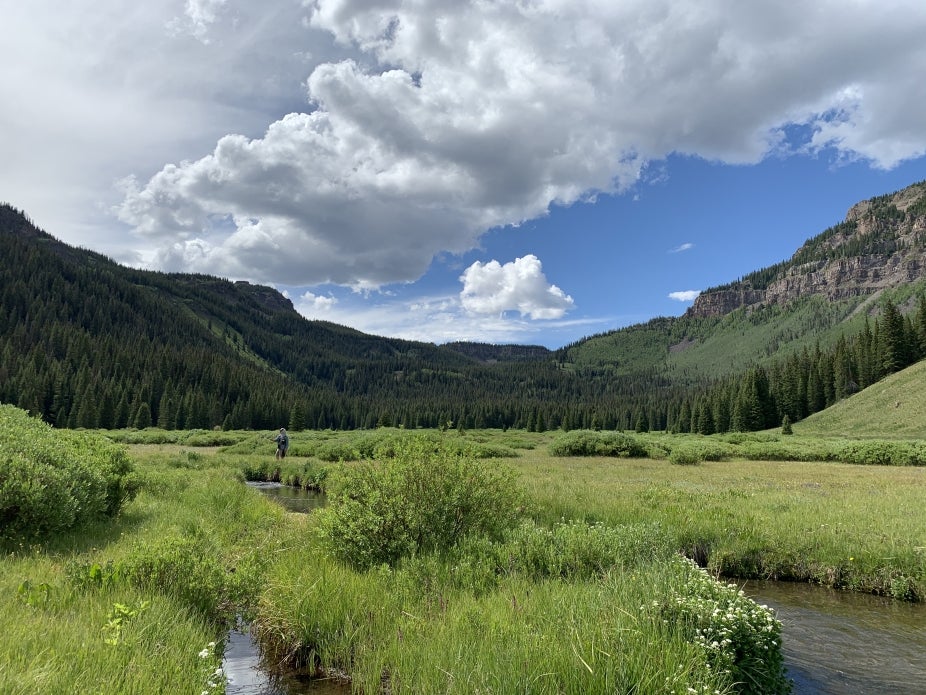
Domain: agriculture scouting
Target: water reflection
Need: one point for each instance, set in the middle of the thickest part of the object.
(837, 642)
(246, 676)
(294, 499)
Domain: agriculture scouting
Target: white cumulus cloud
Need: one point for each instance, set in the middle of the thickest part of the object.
(352, 141)
(315, 306)
(456, 117)
(685, 295)
(493, 288)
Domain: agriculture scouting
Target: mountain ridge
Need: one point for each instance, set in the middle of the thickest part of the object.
(880, 244)
(86, 342)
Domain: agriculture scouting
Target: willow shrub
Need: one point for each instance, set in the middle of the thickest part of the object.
(593, 443)
(427, 497)
(54, 480)
(884, 453)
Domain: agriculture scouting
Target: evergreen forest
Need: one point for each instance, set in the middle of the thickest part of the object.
(88, 343)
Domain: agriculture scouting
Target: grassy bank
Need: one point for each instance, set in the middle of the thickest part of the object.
(842, 525)
(509, 606)
(431, 627)
(138, 604)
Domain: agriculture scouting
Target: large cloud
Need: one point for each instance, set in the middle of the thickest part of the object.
(493, 288)
(96, 89)
(456, 117)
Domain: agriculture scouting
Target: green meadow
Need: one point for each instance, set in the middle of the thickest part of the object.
(446, 562)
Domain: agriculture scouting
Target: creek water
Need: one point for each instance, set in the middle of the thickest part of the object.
(833, 642)
(247, 675)
(840, 642)
(294, 499)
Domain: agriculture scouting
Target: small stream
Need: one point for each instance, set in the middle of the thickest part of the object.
(840, 642)
(246, 674)
(294, 499)
(834, 642)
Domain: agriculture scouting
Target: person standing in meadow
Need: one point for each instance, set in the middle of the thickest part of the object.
(282, 440)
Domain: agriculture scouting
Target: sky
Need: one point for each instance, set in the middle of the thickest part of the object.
(529, 171)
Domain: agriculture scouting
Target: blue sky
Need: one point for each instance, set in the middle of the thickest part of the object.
(501, 172)
(622, 257)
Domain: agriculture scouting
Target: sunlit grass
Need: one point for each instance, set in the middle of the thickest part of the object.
(893, 407)
(69, 622)
(859, 527)
(422, 634)
(450, 625)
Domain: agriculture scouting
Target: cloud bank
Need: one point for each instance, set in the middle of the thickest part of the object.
(451, 118)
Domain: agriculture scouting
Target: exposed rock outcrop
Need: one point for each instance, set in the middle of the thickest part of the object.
(881, 244)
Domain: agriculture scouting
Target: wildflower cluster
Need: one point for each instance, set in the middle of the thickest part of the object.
(215, 679)
(741, 639)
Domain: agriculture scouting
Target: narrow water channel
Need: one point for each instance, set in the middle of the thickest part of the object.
(294, 499)
(242, 665)
(247, 676)
(842, 643)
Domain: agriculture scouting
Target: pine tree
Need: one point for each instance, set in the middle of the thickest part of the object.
(892, 349)
(142, 417)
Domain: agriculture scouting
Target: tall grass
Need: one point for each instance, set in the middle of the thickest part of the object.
(131, 605)
(60, 643)
(615, 632)
(574, 608)
(587, 596)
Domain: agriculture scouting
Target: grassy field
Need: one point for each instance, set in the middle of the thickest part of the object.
(848, 526)
(893, 407)
(587, 595)
(137, 604)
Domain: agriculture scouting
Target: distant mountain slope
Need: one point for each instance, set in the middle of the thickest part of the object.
(86, 342)
(893, 407)
(881, 244)
(487, 353)
(823, 292)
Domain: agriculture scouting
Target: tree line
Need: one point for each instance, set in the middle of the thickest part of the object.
(86, 343)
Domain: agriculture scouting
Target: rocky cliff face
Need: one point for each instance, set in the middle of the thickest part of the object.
(881, 244)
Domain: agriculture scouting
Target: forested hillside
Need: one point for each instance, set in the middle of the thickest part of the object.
(85, 342)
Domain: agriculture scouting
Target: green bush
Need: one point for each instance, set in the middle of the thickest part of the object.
(685, 456)
(791, 450)
(691, 450)
(337, 451)
(34, 500)
(489, 450)
(591, 443)
(183, 567)
(426, 499)
(882, 453)
(51, 481)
